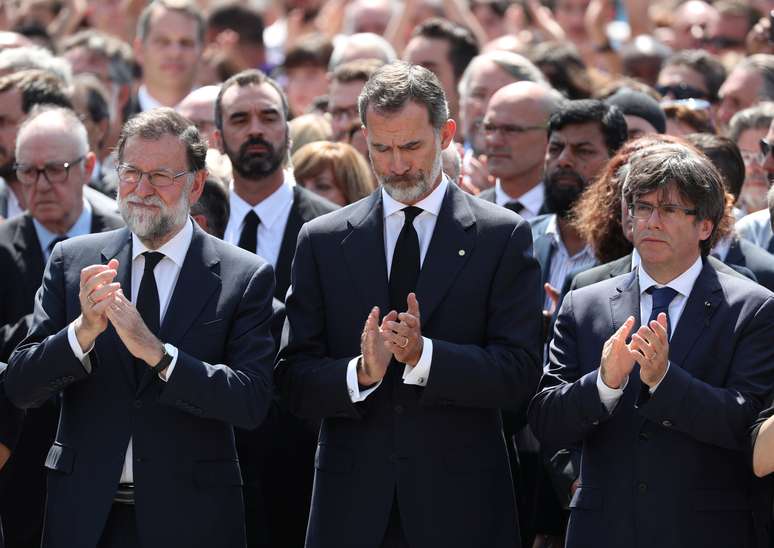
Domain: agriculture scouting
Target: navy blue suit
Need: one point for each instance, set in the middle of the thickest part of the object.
(438, 450)
(186, 473)
(673, 470)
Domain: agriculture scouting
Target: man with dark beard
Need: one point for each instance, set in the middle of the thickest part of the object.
(267, 207)
(582, 136)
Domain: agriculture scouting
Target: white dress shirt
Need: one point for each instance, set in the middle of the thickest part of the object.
(424, 224)
(146, 100)
(273, 212)
(81, 226)
(166, 274)
(561, 262)
(532, 200)
(683, 284)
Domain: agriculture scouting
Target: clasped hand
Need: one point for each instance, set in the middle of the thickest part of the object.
(398, 335)
(649, 347)
(103, 301)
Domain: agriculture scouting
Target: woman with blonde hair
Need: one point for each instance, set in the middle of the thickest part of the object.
(335, 171)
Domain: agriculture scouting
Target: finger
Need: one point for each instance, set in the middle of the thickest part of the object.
(90, 271)
(399, 327)
(619, 337)
(552, 292)
(103, 277)
(413, 304)
(103, 292)
(408, 319)
(391, 316)
(642, 346)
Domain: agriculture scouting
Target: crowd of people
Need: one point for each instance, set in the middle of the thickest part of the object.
(386, 273)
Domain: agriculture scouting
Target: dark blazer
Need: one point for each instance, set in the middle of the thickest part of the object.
(187, 478)
(671, 470)
(10, 426)
(488, 194)
(306, 206)
(438, 449)
(21, 262)
(758, 260)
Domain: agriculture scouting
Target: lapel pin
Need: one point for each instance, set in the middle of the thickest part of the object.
(461, 252)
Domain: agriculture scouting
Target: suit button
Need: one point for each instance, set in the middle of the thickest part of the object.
(667, 423)
(644, 436)
(595, 423)
(399, 409)
(137, 404)
(642, 487)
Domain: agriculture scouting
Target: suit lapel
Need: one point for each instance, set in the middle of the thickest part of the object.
(27, 245)
(450, 248)
(544, 249)
(626, 302)
(621, 266)
(702, 304)
(288, 245)
(363, 250)
(120, 248)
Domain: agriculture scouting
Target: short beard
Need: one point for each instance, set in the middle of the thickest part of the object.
(256, 166)
(151, 229)
(560, 198)
(407, 189)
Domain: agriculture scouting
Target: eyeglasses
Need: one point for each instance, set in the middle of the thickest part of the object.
(750, 157)
(130, 175)
(765, 149)
(682, 91)
(507, 130)
(53, 172)
(344, 112)
(643, 211)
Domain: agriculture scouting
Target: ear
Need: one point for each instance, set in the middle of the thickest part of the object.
(705, 229)
(201, 220)
(138, 48)
(448, 129)
(89, 161)
(198, 186)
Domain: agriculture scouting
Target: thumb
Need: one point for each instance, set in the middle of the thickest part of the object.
(113, 264)
(552, 292)
(413, 304)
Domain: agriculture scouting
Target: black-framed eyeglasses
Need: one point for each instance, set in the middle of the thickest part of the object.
(682, 91)
(507, 130)
(765, 149)
(54, 172)
(131, 175)
(643, 210)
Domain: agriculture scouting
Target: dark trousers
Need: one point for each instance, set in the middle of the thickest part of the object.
(394, 537)
(121, 528)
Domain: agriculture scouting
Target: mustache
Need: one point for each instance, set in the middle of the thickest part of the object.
(568, 173)
(255, 141)
(395, 179)
(150, 200)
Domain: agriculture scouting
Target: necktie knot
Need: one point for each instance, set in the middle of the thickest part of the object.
(411, 213)
(515, 206)
(252, 219)
(152, 258)
(55, 241)
(662, 296)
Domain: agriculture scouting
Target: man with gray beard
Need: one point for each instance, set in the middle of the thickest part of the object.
(406, 366)
(267, 207)
(157, 337)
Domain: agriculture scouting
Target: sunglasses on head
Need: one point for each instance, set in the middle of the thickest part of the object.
(681, 91)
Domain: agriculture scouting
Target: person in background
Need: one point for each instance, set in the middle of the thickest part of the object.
(335, 171)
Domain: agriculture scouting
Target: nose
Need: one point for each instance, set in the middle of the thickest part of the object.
(398, 166)
(566, 158)
(143, 187)
(255, 128)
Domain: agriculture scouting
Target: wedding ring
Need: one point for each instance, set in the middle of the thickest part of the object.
(405, 344)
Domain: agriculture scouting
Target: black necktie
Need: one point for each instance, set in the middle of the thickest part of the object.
(515, 206)
(54, 242)
(662, 296)
(148, 301)
(248, 239)
(404, 271)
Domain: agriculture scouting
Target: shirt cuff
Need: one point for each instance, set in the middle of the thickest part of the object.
(609, 396)
(82, 356)
(652, 389)
(172, 351)
(419, 373)
(353, 388)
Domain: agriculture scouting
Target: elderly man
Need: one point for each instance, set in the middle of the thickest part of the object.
(411, 450)
(157, 337)
(666, 365)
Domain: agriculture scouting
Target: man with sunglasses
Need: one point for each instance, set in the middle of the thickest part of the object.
(756, 227)
(52, 165)
(157, 337)
(657, 374)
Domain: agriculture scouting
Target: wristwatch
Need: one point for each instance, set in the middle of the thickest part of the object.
(166, 359)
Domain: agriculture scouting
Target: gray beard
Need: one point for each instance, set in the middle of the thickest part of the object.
(154, 228)
(421, 185)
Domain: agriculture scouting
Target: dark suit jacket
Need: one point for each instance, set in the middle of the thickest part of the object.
(488, 194)
(759, 261)
(21, 262)
(306, 206)
(186, 473)
(438, 449)
(671, 470)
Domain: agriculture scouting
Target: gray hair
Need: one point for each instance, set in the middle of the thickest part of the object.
(118, 53)
(41, 114)
(154, 124)
(184, 7)
(763, 64)
(755, 117)
(392, 86)
(518, 66)
(656, 168)
(381, 48)
(34, 57)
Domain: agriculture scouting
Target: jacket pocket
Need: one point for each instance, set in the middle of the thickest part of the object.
(60, 458)
(333, 459)
(217, 473)
(587, 498)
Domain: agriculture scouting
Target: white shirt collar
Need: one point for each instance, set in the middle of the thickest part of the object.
(430, 203)
(270, 209)
(146, 100)
(532, 200)
(683, 284)
(175, 249)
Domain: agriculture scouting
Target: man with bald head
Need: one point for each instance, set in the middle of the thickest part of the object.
(515, 137)
(199, 107)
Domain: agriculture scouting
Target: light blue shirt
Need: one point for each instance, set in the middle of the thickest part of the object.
(81, 226)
